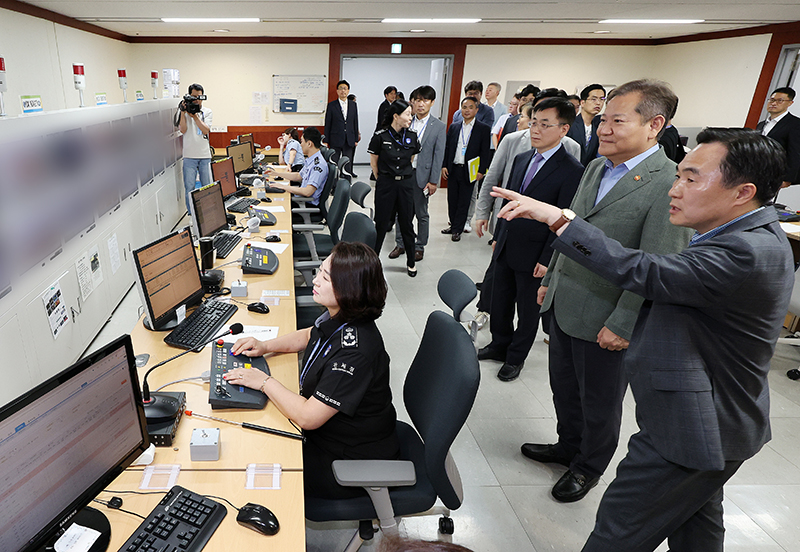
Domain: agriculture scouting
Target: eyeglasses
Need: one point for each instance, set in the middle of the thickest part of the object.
(537, 124)
(590, 99)
(776, 100)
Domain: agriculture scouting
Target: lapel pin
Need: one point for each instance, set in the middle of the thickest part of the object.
(637, 177)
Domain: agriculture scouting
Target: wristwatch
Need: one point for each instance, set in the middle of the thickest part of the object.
(567, 215)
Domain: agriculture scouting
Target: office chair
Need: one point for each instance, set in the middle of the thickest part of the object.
(457, 291)
(358, 193)
(341, 163)
(439, 391)
(303, 212)
(326, 152)
(793, 339)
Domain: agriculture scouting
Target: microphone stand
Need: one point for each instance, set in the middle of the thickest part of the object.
(159, 407)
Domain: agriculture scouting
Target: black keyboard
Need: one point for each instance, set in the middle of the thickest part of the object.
(201, 325)
(224, 243)
(182, 522)
(241, 205)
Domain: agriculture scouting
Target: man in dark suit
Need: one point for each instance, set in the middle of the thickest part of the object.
(522, 252)
(474, 89)
(466, 141)
(390, 95)
(591, 321)
(701, 349)
(784, 128)
(341, 126)
(584, 129)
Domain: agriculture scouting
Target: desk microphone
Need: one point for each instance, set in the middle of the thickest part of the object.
(158, 407)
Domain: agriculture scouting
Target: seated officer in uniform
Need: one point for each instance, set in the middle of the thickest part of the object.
(345, 402)
(314, 173)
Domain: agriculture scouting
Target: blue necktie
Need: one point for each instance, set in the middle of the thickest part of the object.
(537, 160)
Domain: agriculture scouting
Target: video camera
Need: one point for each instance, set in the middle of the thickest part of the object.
(188, 105)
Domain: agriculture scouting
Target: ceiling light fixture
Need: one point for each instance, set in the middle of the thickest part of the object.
(417, 31)
(407, 20)
(211, 19)
(654, 21)
(222, 30)
(601, 32)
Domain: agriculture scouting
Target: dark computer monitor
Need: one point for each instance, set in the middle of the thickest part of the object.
(63, 442)
(248, 138)
(167, 276)
(222, 171)
(242, 156)
(208, 210)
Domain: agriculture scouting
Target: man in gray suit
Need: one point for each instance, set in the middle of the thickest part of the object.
(701, 349)
(432, 134)
(624, 194)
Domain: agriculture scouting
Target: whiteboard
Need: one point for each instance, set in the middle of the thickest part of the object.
(310, 91)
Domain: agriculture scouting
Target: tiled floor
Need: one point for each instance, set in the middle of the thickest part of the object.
(507, 504)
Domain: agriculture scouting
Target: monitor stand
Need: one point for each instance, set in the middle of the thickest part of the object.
(93, 519)
(170, 324)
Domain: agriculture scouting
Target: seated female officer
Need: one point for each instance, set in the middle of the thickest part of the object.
(345, 403)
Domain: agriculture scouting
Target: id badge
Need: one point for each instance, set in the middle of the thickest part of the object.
(464, 150)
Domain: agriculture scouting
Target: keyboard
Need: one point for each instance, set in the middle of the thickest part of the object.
(241, 205)
(224, 243)
(201, 325)
(182, 522)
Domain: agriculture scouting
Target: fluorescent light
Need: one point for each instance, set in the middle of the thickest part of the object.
(417, 31)
(415, 20)
(654, 21)
(601, 32)
(211, 19)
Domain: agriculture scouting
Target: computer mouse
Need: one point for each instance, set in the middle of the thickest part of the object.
(266, 200)
(272, 238)
(258, 307)
(258, 518)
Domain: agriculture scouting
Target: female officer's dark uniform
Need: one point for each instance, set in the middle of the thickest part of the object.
(394, 188)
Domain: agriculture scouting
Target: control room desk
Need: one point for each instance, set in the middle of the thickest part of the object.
(286, 503)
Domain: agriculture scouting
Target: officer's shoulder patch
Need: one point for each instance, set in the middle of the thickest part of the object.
(349, 337)
(316, 160)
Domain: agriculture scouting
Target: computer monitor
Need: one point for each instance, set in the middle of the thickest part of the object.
(63, 442)
(168, 277)
(222, 171)
(208, 210)
(248, 138)
(242, 156)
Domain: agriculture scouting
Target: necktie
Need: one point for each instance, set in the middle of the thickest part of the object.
(537, 160)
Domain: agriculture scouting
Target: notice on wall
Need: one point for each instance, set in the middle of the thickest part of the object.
(260, 98)
(84, 276)
(31, 104)
(113, 250)
(256, 114)
(55, 308)
(94, 263)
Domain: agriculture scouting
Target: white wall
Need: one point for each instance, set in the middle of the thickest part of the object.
(714, 79)
(230, 73)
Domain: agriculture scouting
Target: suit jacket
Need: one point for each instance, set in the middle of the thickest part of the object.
(485, 115)
(339, 132)
(382, 109)
(577, 131)
(431, 156)
(479, 145)
(509, 128)
(787, 133)
(636, 213)
(527, 242)
(700, 353)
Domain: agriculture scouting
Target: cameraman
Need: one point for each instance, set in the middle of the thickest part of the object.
(195, 125)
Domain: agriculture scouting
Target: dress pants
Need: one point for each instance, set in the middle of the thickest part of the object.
(459, 192)
(513, 288)
(395, 198)
(423, 220)
(485, 295)
(652, 499)
(588, 384)
(347, 151)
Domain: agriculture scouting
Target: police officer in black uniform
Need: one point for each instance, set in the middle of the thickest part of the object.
(345, 401)
(390, 153)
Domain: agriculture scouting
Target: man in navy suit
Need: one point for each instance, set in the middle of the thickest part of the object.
(784, 128)
(700, 352)
(465, 141)
(584, 129)
(522, 250)
(341, 125)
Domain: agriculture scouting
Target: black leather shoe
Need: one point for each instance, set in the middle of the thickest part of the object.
(793, 374)
(573, 486)
(509, 372)
(490, 353)
(547, 454)
(418, 255)
(396, 252)
(447, 230)
(456, 236)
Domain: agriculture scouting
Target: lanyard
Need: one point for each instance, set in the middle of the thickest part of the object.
(398, 142)
(465, 141)
(420, 131)
(315, 353)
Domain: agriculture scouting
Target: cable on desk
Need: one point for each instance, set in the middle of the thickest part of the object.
(112, 505)
(220, 498)
(159, 492)
(205, 377)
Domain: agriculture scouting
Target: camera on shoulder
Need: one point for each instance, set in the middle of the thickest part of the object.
(188, 105)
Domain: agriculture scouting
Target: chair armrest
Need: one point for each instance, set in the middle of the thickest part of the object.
(305, 301)
(308, 227)
(307, 265)
(374, 473)
(301, 210)
(301, 199)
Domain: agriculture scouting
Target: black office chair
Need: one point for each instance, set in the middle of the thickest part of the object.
(358, 193)
(327, 152)
(439, 391)
(304, 213)
(358, 227)
(342, 163)
(457, 291)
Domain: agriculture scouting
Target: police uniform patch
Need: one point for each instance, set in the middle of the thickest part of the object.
(349, 337)
(318, 169)
(316, 160)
